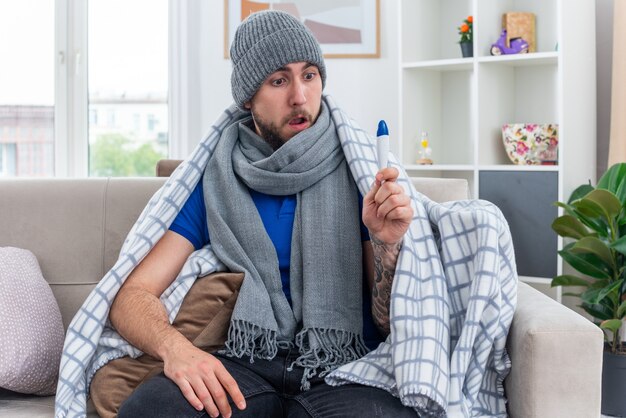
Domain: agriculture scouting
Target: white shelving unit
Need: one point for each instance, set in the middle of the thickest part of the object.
(463, 102)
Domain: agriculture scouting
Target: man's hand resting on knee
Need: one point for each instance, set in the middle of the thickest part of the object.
(202, 378)
(140, 317)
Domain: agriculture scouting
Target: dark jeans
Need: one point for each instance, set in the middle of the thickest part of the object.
(270, 391)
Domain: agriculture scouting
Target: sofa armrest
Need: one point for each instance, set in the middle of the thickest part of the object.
(556, 357)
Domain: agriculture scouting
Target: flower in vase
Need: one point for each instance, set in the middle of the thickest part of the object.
(465, 30)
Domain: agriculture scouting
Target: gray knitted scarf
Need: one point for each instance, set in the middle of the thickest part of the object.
(325, 323)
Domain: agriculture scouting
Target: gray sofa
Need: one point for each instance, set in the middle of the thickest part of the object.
(75, 227)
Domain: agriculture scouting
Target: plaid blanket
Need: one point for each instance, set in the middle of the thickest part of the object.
(452, 304)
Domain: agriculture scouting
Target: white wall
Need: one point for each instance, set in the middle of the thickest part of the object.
(365, 88)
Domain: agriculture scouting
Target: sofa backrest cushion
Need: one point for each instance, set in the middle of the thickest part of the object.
(442, 189)
(75, 228)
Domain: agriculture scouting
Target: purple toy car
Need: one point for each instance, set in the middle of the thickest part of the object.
(518, 46)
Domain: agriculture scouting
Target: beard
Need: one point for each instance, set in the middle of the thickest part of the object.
(271, 133)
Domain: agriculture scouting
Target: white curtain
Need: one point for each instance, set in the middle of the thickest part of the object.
(617, 146)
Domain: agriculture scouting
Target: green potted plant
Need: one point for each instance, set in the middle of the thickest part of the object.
(594, 224)
(465, 30)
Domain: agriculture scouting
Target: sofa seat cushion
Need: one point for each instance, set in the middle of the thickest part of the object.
(18, 405)
(30, 326)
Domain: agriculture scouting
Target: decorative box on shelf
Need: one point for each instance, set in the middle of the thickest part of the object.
(520, 25)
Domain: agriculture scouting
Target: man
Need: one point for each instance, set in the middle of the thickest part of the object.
(302, 256)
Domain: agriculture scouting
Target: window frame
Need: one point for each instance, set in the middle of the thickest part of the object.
(71, 106)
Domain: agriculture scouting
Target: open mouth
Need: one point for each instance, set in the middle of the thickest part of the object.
(298, 121)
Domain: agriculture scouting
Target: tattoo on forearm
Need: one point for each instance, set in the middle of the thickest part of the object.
(385, 258)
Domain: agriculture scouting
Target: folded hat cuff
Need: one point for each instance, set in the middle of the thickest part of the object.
(269, 55)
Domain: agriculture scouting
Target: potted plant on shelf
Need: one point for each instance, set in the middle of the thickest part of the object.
(465, 30)
(595, 224)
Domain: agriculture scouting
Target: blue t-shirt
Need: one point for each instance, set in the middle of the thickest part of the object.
(277, 214)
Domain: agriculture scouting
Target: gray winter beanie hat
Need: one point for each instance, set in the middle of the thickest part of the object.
(265, 42)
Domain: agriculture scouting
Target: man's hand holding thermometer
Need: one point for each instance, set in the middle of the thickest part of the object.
(387, 211)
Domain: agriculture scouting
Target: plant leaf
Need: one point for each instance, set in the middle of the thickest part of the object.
(620, 193)
(599, 204)
(567, 208)
(590, 296)
(580, 192)
(598, 284)
(569, 226)
(612, 325)
(607, 200)
(571, 294)
(595, 246)
(619, 245)
(610, 289)
(588, 264)
(568, 280)
(596, 224)
(597, 311)
(588, 208)
(610, 302)
(613, 179)
(621, 311)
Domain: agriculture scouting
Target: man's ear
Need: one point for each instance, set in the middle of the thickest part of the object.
(247, 105)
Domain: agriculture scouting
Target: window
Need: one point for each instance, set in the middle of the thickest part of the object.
(73, 76)
(128, 82)
(8, 159)
(27, 91)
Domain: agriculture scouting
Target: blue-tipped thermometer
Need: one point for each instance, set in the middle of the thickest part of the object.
(382, 144)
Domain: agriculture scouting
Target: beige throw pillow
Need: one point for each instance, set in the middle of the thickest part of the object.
(203, 318)
(31, 329)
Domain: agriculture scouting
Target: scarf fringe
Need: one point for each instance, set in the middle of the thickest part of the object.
(330, 349)
(247, 339)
